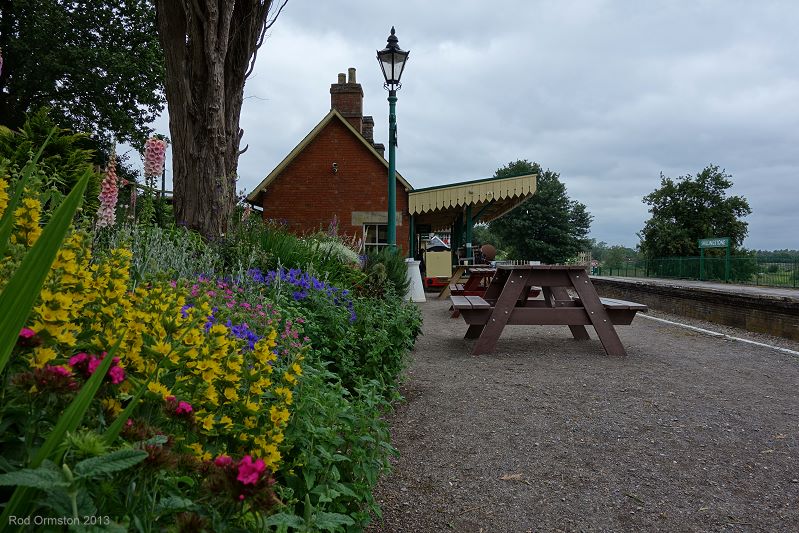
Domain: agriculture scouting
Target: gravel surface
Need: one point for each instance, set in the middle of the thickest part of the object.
(690, 432)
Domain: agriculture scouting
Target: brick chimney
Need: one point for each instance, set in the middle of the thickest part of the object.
(368, 133)
(368, 130)
(346, 97)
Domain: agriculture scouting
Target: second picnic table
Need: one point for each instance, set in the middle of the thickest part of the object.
(506, 303)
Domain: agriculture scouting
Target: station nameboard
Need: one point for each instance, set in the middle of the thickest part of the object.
(716, 242)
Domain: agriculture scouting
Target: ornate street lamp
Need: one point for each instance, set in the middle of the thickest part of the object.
(392, 60)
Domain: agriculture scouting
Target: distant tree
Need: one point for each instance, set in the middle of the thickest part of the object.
(691, 208)
(617, 255)
(598, 249)
(210, 48)
(96, 64)
(778, 255)
(549, 227)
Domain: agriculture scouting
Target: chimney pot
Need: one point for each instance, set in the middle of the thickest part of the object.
(351, 75)
(347, 98)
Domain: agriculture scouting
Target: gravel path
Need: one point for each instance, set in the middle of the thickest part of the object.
(688, 433)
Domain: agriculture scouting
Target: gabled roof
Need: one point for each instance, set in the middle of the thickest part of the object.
(254, 196)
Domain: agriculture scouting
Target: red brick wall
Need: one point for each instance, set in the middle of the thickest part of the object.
(307, 194)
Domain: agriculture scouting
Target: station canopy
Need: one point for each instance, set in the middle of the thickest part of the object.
(489, 199)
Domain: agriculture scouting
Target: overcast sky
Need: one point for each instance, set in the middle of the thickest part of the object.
(607, 93)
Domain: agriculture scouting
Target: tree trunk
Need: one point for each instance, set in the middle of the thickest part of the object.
(209, 47)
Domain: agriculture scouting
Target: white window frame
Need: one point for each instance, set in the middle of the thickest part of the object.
(375, 245)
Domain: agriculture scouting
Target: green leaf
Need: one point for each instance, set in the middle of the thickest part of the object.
(23, 288)
(157, 440)
(332, 521)
(285, 519)
(110, 462)
(47, 476)
(174, 503)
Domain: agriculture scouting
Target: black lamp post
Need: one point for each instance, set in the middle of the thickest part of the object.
(392, 60)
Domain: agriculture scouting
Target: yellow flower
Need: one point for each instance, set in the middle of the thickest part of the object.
(3, 196)
(226, 421)
(284, 393)
(271, 456)
(297, 369)
(278, 415)
(231, 394)
(289, 378)
(208, 422)
(197, 449)
(158, 388)
(251, 406)
(112, 405)
(42, 355)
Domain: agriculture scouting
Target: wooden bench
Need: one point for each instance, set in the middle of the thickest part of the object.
(476, 311)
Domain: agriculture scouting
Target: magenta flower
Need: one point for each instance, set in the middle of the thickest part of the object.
(117, 374)
(250, 471)
(58, 370)
(78, 359)
(93, 364)
(26, 333)
(223, 461)
(183, 408)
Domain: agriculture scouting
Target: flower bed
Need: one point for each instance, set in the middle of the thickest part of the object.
(204, 403)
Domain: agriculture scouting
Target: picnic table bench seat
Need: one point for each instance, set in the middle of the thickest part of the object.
(476, 311)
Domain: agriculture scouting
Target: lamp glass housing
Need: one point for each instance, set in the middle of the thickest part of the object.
(392, 61)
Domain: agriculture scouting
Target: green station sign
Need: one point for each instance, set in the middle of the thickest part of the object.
(714, 242)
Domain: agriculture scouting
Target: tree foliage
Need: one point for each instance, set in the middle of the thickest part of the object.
(691, 208)
(97, 65)
(549, 227)
(210, 48)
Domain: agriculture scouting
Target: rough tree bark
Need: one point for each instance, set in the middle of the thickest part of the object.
(210, 48)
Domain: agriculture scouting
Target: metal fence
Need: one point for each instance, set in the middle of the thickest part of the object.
(744, 270)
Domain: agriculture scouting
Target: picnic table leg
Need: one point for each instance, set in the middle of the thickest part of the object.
(596, 313)
(511, 291)
(560, 293)
(474, 331)
(454, 279)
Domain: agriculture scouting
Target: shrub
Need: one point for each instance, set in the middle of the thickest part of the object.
(386, 273)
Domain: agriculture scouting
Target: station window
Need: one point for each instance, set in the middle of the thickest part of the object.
(375, 237)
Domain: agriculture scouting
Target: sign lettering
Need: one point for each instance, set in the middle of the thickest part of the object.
(720, 242)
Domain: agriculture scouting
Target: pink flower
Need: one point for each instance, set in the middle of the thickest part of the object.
(109, 191)
(93, 364)
(250, 471)
(170, 399)
(223, 461)
(154, 156)
(26, 333)
(58, 370)
(183, 408)
(78, 359)
(117, 374)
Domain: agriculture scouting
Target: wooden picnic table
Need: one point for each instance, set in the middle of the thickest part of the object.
(506, 302)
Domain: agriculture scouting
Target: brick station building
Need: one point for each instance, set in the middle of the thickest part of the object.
(338, 172)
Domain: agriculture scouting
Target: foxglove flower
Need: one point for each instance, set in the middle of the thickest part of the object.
(106, 213)
(154, 155)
